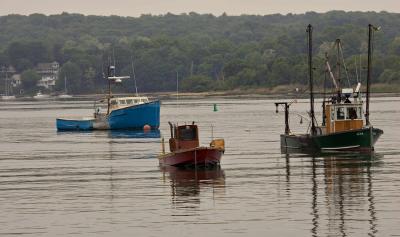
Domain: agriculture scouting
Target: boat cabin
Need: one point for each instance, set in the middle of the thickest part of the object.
(123, 102)
(183, 137)
(343, 117)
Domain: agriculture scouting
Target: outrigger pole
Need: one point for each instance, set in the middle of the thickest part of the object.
(371, 29)
(310, 71)
(287, 105)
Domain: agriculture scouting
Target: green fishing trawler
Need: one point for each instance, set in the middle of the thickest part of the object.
(345, 126)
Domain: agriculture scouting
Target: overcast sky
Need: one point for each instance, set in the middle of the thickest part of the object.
(216, 7)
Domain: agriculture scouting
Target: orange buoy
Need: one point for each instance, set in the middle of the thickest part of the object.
(146, 128)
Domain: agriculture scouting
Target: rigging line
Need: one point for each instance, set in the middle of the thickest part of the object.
(177, 91)
(332, 46)
(134, 76)
(355, 63)
(338, 76)
(114, 63)
(344, 64)
(372, 48)
(360, 69)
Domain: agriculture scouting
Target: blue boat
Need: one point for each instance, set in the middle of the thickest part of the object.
(134, 112)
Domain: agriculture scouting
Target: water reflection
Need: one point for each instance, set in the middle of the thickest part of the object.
(155, 133)
(341, 191)
(187, 184)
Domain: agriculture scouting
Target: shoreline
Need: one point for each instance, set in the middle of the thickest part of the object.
(279, 92)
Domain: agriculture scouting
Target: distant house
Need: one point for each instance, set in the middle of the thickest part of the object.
(7, 71)
(49, 74)
(16, 80)
(9, 74)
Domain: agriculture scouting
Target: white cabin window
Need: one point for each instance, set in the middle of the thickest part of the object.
(136, 101)
(129, 101)
(113, 102)
(340, 113)
(122, 102)
(353, 113)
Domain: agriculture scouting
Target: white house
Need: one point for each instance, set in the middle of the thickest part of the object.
(49, 74)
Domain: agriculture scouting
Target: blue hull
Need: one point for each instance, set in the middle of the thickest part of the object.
(133, 117)
(72, 124)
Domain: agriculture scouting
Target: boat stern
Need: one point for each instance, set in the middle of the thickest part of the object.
(74, 124)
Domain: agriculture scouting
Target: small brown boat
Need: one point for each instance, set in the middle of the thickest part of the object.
(186, 151)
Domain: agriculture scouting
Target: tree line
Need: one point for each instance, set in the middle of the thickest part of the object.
(207, 52)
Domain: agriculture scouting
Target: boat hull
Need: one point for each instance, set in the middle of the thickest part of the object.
(200, 156)
(133, 118)
(354, 140)
(74, 124)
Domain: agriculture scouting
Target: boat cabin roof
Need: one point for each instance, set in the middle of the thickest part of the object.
(121, 101)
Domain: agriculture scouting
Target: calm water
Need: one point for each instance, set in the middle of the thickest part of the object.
(110, 184)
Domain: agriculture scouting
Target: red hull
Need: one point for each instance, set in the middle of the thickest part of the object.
(197, 156)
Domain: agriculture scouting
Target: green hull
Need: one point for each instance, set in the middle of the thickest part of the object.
(353, 140)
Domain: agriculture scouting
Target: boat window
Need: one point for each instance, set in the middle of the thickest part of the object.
(187, 133)
(136, 101)
(352, 113)
(113, 102)
(340, 113)
(129, 101)
(122, 102)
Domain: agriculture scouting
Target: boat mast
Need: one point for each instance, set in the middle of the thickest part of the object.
(177, 91)
(310, 71)
(65, 84)
(134, 76)
(324, 98)
(112, 78)
(109, 74)
(4, 70)
(339, 94)
(369, 70)
(6, 85)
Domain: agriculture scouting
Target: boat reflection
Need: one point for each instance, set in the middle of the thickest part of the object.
(187, 184)
(342, 192)
(154, 133)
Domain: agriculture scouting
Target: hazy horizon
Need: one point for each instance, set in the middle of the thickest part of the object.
(161, 7)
